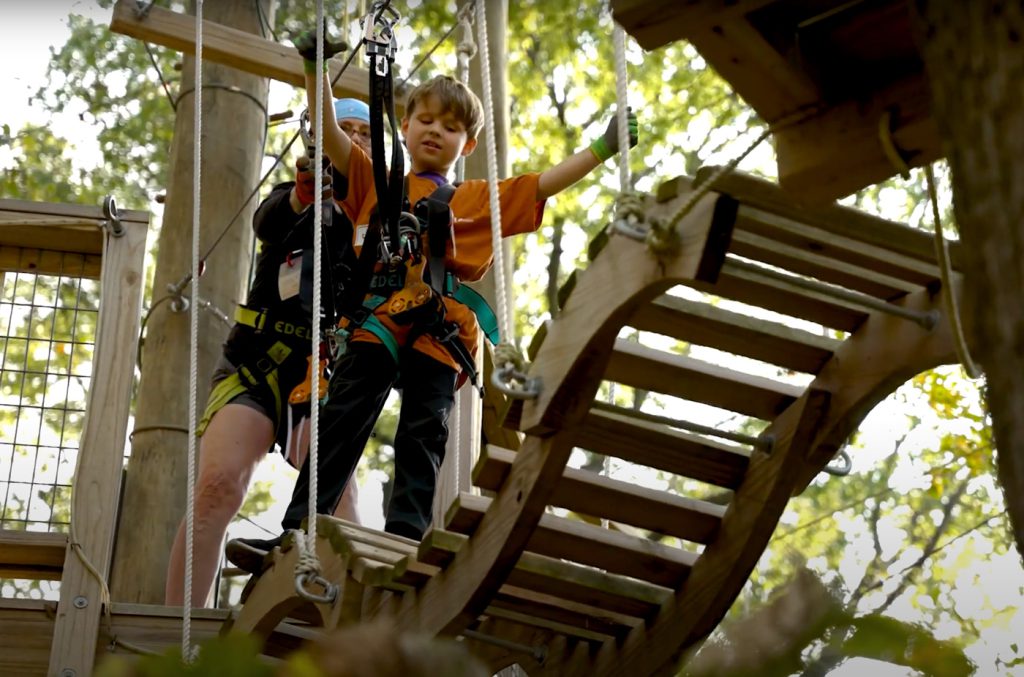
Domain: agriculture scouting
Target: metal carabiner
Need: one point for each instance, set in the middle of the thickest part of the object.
(503, 377)
(330, 589)
(379, 31)
(842, 470)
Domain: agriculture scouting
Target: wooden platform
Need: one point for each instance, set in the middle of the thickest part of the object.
(55, 239)
(824, 72)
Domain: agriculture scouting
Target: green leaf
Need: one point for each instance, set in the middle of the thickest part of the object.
(894, 641)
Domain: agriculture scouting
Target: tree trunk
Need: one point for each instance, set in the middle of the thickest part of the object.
(975, 61)
(233, 129)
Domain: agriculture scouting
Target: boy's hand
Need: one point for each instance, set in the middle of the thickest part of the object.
(306, 46)
(607, 144)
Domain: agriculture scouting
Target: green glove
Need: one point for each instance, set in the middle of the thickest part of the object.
(607, 144)
(305, 44)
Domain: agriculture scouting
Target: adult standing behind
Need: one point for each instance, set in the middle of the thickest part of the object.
(266, 356)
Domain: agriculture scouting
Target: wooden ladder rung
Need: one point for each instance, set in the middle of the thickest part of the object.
(803, 237)
(787, 299)
(614, 597)
(34, 555)
(639, 366)
(837, 220)
(654, 445)
(558, 615)
(709, 325)
(812, 264)
(591, 494)
(584, 543)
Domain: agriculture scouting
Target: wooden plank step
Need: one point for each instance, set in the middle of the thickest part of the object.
(616, 598)
(811, 264)
(656, 446)
(639, 366)
(584, 543)
(555, 615)
(837, 219)
(786, 299)
(709, 325)
(592, 494)
(809, 238)
(34, 555)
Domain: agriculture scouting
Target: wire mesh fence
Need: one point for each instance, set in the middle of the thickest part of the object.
(47, 332)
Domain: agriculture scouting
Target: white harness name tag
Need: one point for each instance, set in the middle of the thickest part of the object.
(289, 277)
(361, 234)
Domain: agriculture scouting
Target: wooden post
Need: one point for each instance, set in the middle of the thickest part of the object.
(462, 452)
(234, 123)
(98, 472)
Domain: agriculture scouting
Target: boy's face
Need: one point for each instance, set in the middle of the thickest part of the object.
(435, 137)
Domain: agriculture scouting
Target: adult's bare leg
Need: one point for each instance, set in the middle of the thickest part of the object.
(233, 444)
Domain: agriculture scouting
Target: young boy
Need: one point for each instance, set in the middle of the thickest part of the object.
(441, 124)
(260, 366)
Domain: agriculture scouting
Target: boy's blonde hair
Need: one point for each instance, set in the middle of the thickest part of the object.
(454, 97)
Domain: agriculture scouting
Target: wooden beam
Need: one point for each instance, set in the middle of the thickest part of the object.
(49, 262)
(58, 210)
(100, 462)
(32, 554)
(55, 227)
(656, 446)
(822, 223)
(562, 538)
(772, 83)
(619, 596)
(231, 47)
(709, 325)
(839, 151)
(680, 376)
(591, 494)
(785, 298)
(654, 23)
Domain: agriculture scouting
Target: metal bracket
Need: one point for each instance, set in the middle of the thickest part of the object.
(843, 468)
(112, 218)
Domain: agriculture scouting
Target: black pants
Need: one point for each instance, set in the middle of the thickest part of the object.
(357, 392)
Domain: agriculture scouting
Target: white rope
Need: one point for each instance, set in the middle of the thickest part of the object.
(622, 105)
(465, 51)
(193, 357)
(506, 326)
(308, 564)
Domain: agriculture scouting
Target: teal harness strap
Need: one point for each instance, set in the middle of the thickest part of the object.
(468, 297)
(373, 325)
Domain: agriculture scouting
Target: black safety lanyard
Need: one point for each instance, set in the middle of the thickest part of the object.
(380, 47)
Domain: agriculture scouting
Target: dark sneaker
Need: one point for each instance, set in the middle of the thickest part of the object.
(248, 554)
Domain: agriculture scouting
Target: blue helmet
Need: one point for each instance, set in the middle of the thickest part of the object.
(351, 108)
